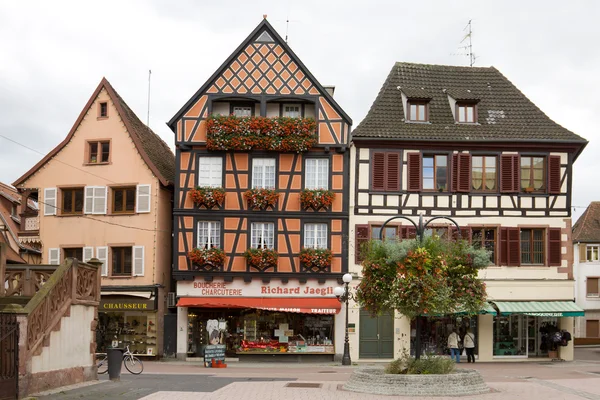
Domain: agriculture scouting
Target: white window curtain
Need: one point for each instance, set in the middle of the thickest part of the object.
(209, 234)
(315, 236)
(262, 235)
(263, 173)
(317, 173)
(210, 171)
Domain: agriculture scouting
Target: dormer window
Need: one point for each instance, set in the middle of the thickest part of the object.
(418, 111)
(466, 113)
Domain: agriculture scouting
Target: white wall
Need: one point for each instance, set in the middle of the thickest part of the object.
(70, 346)
(582, 270)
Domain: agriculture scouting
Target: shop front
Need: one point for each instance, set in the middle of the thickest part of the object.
(435, 332)
(128, 319)
(258, 320)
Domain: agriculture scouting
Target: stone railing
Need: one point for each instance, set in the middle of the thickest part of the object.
(26, 280)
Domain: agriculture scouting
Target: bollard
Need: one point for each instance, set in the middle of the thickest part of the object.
(115, 360)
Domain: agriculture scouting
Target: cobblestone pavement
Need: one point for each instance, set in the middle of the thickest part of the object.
(264, 381)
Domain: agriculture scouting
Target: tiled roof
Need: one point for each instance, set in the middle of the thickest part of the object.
(415, 93)
(587, 227)
(504, 113)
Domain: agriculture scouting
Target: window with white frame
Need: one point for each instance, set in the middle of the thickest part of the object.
(292, 110)
(317, 173)
(263, 173)
(592, 252)
(210, 171)
(242, 111)
(262, 235)
(209, 234)
(315, 236)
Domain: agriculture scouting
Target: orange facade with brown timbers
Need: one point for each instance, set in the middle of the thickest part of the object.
(262, 185)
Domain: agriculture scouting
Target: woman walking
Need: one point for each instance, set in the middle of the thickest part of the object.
(469, 341)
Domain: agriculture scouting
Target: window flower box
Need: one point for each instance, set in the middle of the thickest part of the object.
(201, 258)
(260, 133)
(261, 259)
(261, 199)
(316, 260)
(208, 197)
(316, 199)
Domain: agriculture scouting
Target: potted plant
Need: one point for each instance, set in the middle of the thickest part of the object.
(213, 256)
(316, 198)
(208, 197)
(316, 259)
(529, 189)
(261, 259)
(261, 199)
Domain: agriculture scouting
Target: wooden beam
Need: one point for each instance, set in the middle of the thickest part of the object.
(3, 247)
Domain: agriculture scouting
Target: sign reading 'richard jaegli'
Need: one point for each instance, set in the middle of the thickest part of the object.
(239, 288)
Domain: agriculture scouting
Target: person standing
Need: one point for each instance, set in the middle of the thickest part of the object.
(469, 341)
(453, 340)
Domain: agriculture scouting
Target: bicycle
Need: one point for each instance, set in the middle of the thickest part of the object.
(133, 364)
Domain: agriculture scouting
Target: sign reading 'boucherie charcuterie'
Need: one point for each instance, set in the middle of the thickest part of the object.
(239, 288)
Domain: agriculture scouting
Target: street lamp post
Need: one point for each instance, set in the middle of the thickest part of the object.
(420, 230)
(344, 295)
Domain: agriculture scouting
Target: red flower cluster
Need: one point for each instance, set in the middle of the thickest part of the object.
(316, 258)
(261, 259)
(317, 198)
(260, 133)
(208, 197)
(261, 198)
(213, 256)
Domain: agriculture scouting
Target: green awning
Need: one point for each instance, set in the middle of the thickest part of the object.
(540, 308)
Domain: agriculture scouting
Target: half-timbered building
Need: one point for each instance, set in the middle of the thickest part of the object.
(465, 143)
(261, 206)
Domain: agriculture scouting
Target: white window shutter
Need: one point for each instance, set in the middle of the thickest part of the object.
(50, 201)
(142, 202)
(138, 260)
(102, 255)
(88, 200)
(54, 256)
(88, 254)
(99, 200)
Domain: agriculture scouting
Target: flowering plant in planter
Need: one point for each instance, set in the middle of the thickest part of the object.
(261, 198)
(261, 259)
(213, 256)
(260, 133)
(207, 196)
(316, 198)
(317, 259)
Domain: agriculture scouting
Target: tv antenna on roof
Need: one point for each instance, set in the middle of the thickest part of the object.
(469, 46)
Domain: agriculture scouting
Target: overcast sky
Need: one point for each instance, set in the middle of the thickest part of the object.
(53, 54)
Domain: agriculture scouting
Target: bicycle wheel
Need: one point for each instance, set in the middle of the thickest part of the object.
(133, 365)
(103, 365)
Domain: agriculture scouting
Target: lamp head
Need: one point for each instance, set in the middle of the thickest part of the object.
(347, 278)
(338, 291)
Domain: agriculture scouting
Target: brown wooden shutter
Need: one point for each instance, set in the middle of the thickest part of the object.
(592, 286)
(414, 172)
(407, 232)
(393, 171)
(554, 247)
(378, 171)
(509, 173)
(582, 252)
(592, 328)
(514, 247)
(554, 174)
(464, 173)
(454, 186)
(503, 246)
(362, 236)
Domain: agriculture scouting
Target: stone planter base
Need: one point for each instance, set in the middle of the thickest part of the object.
(461, 382)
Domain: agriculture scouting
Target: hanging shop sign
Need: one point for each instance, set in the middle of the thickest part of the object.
(239, 288)
(126, 304)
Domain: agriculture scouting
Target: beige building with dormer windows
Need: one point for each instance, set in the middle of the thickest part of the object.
(105, 191)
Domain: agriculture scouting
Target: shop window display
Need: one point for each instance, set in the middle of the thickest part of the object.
(522, 335)
(435, 332)
(120, 329)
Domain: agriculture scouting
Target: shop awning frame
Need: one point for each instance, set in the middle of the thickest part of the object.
(486, 309)
(540, 308)
(295, 305)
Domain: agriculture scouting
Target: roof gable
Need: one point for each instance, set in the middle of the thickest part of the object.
(504, 113)
(587, 227)
(154, 151)
(262, 64)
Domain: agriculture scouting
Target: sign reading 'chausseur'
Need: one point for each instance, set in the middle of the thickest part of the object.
(239, 288)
